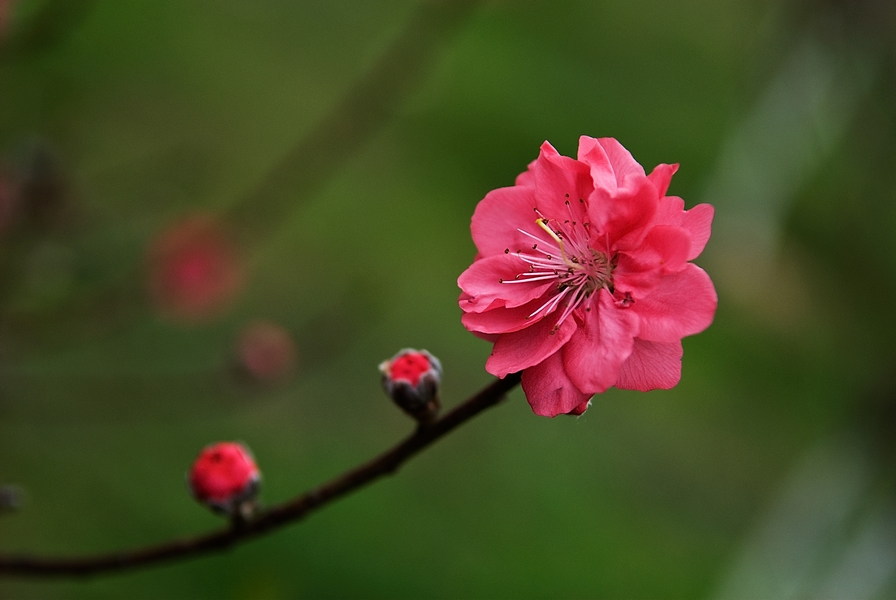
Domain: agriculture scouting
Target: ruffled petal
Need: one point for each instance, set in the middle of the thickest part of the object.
(593, 355)
(559, 180)
(610, 163)
(622, 219)
(651, 366)
(697, 221)
(669, 211)
(498, 218)
(682, 304)
(663, 251)
(483, 288)
(522, 349)
(550, 391)
(662, 176)
(504, 320)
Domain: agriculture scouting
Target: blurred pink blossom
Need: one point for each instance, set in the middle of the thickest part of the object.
(194, 270)
(266, 352)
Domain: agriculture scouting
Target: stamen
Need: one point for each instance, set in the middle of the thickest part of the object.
(537, 239)
(553, 302)
(565, 256)
(543, 277)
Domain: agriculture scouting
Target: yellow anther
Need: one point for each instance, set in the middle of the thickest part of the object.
(543, 223)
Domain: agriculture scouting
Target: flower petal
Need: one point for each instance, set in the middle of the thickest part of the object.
(610, 163)
(522, 349)
(697, 221)
(559, 180)
(593, 355)
(526, 178)
(498, 218)
(661, 176)
(622, 218)
(504, 320)
(682, 304)
(482, 284)
(550, 391)
(651, 366)
(663, 251)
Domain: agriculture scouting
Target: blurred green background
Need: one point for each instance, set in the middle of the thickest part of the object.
(331, 153)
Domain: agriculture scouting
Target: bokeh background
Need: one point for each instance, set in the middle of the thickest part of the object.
(217, 218)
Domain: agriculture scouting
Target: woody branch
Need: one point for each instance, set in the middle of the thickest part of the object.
(271, 519)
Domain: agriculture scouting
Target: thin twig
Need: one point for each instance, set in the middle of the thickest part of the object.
(271, 519)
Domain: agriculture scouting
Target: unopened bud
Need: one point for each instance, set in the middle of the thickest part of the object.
(224, 477)
(411, 378)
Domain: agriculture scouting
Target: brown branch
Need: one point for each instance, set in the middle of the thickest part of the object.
(271, 519)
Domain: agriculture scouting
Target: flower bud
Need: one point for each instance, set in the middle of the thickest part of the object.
(411, 378)
(224, 477)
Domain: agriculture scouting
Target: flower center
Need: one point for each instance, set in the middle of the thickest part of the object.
(561, 251)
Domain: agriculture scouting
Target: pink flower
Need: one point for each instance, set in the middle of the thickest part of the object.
(582, 278)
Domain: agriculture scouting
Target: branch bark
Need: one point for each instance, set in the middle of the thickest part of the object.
(274, 517)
